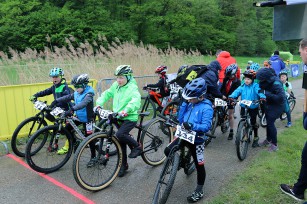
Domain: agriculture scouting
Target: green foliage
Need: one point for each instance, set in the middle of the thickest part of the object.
(235, 26)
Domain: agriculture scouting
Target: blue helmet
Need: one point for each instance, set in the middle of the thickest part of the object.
(231, 70)
(195, 89)
(255, 67)
(55, 72)
(284, 71)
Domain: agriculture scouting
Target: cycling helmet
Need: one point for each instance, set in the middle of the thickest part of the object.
(55, 72)
(162, 69)
(123, 70)
(267, 63)
(250, 74)
(231, 70)
(81, 79)
(285, 72)
(250, 62)
(182, 67)
(255, 67)
(194, 89)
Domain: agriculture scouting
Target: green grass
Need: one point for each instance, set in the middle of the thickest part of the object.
(259, 182)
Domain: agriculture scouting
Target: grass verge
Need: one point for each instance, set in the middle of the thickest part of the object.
(259, 183)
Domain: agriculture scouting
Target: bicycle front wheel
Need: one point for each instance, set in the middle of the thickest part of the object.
(167, 179)
(155, 137)
(41, 150)
(105, 168)
(263, 122)
(292, 103)
(242, 140)
(23, 133)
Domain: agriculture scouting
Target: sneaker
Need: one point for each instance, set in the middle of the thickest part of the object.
(289, 191)
(288, 125)
(62, 151)
(122, 170)
(273, 148)
(196, 196)
(135, 152)
(92, 162)
(230, 136)
(255, 143)
(264, 143)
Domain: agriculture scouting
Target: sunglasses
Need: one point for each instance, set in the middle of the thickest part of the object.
(78, 86)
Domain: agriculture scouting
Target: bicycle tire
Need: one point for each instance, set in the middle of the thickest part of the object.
(85, 176)
(214, 123)
(292, 103)
(105, 128)
(167, 178)
(148, 106)
(171, 110)
(154, 139)
(225, 124)
(242, 140)
(20, 136)
(263, 122)
(189, 166)
(45, 159)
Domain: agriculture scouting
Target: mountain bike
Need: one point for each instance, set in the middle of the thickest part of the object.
(244, 133)
(106, 167)
(220, 118)
(41, 150)
(175, 161)
(148, 105)
(27, 127)
(171, 109)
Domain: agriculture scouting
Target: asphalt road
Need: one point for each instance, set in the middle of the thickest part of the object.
(19, 184)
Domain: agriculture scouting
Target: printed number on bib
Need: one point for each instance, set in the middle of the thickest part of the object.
(246, 102)
(103, 114)
(219, 102)
(57, 111)
(183, 134)
(39, 105)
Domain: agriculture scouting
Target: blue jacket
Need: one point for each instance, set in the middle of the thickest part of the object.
(248, 92)
(200, 115)
(277, 64)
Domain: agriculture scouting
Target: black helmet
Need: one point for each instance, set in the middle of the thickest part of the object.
(81, 79)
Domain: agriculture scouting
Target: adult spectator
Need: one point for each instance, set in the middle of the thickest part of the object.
(297, 190)
(225, 59)
(276, 63)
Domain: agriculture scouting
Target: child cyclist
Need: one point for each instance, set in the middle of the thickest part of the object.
(83, 107)
(250, 91)
(283, 76)
(196, 114)
(58, 89)
(230, 84)
(161, 85)
(126, 102)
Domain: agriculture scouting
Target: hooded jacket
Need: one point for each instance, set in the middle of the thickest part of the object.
(277, 64)
(125, 98)
(200, 115)
(225, 59)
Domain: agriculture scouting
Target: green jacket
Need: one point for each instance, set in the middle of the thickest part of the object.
(127, 98)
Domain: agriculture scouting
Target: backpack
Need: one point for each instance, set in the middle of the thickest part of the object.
(190, 73)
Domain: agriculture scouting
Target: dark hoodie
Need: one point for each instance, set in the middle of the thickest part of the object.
(212, 77)
(273, 90)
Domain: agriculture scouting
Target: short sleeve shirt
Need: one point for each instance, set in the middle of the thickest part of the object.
(304, 77)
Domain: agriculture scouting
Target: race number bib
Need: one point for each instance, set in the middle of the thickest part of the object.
(246, 102)
(187, 136)
(103, 114)
(39, 105)
(57, 111)
(219, 102)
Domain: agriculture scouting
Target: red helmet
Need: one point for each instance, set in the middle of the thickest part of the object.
(162, 69)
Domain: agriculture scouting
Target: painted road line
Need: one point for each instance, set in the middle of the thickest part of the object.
(54, 181)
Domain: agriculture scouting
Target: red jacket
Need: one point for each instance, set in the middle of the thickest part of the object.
(225, 59)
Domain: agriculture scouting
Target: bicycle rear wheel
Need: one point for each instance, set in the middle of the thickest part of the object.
(242, 140)
(105, 169)
(23, 133)
(167, 179)
(155, 137)
(103, 127)
(41, 153)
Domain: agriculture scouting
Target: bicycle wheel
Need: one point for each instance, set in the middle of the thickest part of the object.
(103, 127)
(292, 103)
(155, 137)
(189, 165)
(242, 140)
(214, 122)
(104, 171)
(263, 121)
(41, 153)
(149, 106)
(23, 132)
(225, 124)
(171, 110)
(167, 179)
